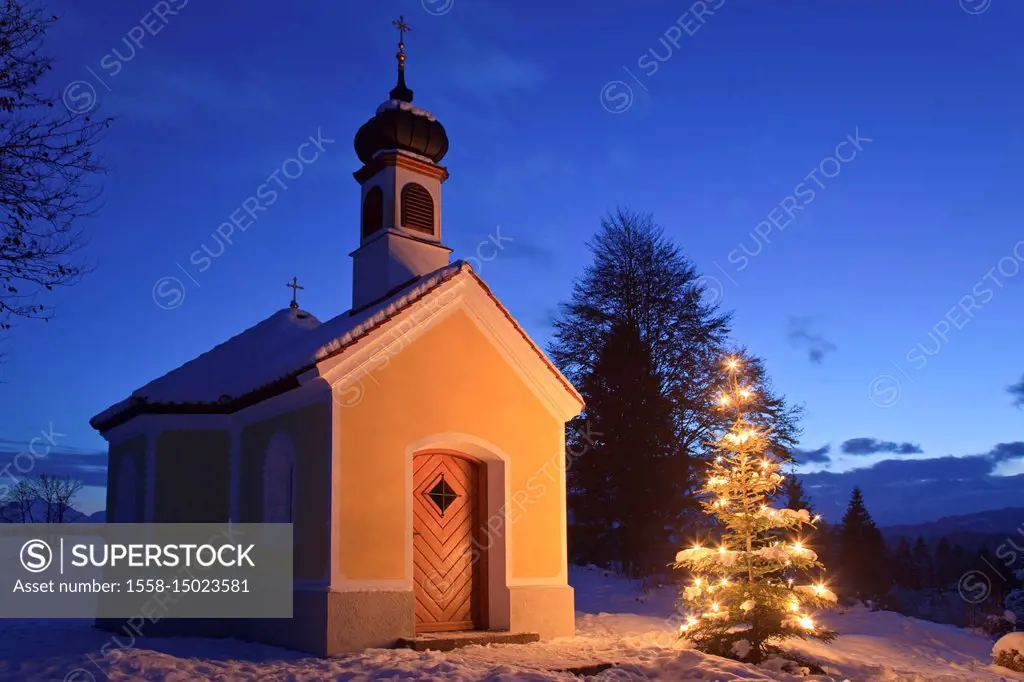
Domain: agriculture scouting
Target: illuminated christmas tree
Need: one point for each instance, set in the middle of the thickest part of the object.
(741, 596)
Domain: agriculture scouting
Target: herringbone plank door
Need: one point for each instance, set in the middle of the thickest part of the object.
(445, 518)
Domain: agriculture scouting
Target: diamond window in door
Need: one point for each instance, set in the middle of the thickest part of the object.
(442, 495)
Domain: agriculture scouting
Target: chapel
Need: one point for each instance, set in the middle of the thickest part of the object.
(415, 442)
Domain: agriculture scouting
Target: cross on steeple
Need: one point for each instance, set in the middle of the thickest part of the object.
(401, 91)
(402, 27)
(294, 286)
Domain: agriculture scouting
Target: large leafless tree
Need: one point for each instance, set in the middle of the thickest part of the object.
(43, 499)
(48, 170)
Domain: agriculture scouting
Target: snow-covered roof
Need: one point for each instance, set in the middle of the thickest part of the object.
(281, 346)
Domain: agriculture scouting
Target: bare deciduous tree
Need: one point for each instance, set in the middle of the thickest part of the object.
(45, 499)
(17, 507)
(47, 168)
(55, 495)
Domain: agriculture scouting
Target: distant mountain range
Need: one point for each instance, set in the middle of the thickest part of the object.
(966, 529)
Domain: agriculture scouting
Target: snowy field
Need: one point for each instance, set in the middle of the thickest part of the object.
(614, 625)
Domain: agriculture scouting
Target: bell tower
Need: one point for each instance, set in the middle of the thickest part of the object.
(400, 213)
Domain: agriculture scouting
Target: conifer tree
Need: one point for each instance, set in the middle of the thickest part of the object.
(924, 571)
(864, 557)
(767, 410)
(945, 564)
(997, 584)
(627, 466)
(903, 564)
(739, 599)
(638, 280)
(960, 564)
(796, 496)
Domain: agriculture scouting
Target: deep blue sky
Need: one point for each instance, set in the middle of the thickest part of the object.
(714, 139)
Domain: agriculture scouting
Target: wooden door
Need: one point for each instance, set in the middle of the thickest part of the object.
(447, 560)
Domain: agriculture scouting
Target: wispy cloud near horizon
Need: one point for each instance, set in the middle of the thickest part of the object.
(918, 489)
(87, 465)
(873, 446)
(819, 456)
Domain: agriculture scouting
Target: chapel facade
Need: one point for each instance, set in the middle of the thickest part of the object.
(416, 442)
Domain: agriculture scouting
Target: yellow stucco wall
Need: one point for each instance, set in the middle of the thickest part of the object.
(450, 379)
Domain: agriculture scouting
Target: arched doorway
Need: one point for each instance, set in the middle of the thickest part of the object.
(449, 549)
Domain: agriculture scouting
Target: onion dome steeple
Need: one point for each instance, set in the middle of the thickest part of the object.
(398, 125)
(400, 180)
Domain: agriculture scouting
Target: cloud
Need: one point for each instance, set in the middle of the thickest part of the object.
(873, 446)
(1005, 451)
(533, 252)
(916, 490)
(818, 456)
(500, 245)
(1017, 391)
(16, 446)
(479, 63)
(88, 466)
(803, 337)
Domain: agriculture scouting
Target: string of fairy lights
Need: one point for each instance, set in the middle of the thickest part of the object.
(751, 476)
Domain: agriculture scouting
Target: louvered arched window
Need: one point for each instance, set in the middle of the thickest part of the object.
(417, 208)
(373, 211)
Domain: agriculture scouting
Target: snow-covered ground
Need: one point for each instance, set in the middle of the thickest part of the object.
(615, 624)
